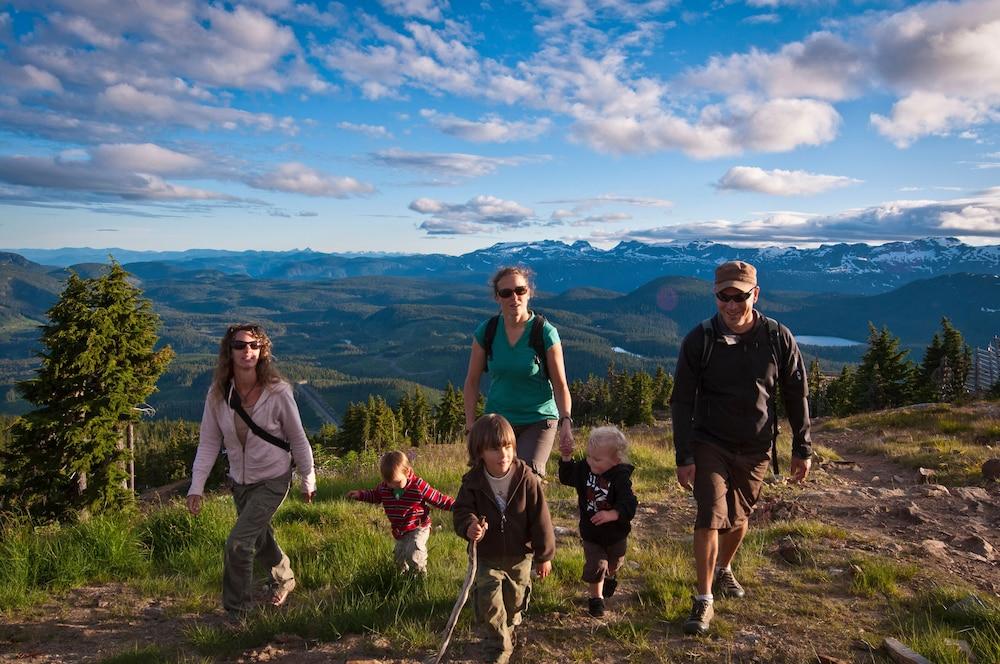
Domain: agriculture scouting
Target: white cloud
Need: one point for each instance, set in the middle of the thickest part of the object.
(29, 78)
(824, 66)
(298, 178)
(372, 131)
(124, 98)
(944, 59)
(455, 164)
(489, 129)
(75, 177)
(759, 19)
(777, 125)
(83, 29)
(479, 214)
(973, 219)
(780, 182)
(429, 10)
(143, 158)
(930, 113)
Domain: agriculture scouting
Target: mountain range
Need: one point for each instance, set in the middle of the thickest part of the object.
(384, 333)
(838, 268)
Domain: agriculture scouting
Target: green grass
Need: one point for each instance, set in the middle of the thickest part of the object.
(875, 576)
(933, 621)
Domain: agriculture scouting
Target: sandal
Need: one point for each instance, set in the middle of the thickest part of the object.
(280, 594)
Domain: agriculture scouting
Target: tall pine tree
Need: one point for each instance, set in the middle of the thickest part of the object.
(884, 378)
(98, 364)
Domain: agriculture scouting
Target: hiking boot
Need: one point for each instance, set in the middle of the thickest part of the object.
(610, 585)
(595, 606)
(726, 584)
(701, 616)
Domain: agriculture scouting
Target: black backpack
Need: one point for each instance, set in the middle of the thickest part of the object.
(535, 340)
(774, 341)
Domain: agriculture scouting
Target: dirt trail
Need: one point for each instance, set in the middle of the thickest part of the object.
(890, 509)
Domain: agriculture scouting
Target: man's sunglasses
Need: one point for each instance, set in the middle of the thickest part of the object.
(240, 345)
(739, 297)
(507, 292)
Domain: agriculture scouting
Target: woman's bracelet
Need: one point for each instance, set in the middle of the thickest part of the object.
(567, 418)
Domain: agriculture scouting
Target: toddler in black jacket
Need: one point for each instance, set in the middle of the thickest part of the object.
(603, 483)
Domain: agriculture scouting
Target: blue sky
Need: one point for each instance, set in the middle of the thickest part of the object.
(444, 126)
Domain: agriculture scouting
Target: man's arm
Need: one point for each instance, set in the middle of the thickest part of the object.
(795, 394)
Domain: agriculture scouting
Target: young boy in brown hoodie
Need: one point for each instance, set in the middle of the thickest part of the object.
(517, 532)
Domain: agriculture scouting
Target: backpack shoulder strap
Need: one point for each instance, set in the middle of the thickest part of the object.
(489, 334)
(708, 342)
(774, 339)
(537, 342)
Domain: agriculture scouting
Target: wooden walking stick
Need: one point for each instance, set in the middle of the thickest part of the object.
(463, 596)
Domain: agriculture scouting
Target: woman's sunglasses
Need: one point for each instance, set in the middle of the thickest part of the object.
(738, 297)
(507, 292)
(240, 345)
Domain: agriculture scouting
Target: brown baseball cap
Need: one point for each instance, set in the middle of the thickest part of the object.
(735, 274)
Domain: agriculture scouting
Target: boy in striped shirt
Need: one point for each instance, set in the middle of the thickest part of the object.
(407, 500)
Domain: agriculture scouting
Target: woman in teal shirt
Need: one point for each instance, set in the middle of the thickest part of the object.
(534, 406)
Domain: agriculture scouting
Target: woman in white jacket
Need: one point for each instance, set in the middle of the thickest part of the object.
(260, 468)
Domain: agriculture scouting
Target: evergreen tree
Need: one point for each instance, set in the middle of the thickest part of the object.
(421, 424)
(356, 431)
(616, 407)
(839, 393)
(818, 405)
(956, 363)
(884, 377)
(663, 387)
(97, 366)
(449, 416)
(927, 381)
(639, 407)
(404, 415)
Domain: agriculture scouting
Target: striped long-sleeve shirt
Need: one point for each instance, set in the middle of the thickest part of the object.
(411, 510)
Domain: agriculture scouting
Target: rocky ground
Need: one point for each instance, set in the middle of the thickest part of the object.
(889, 510)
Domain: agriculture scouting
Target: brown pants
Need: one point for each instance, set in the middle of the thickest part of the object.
(600, 561)
(726, 485)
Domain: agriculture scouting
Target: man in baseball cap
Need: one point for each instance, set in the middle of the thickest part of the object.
(725, 425)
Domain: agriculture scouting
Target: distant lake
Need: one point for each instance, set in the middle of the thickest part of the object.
(806, 340)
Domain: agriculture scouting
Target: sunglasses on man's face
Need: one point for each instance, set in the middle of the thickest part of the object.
(240, 345)
(738, 297)
(507, 292)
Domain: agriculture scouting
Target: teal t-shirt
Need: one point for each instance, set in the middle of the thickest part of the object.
(518, 389)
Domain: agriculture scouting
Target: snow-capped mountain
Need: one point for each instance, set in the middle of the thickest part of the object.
(844, 268)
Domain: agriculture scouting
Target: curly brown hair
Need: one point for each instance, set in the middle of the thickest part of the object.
(267, 373)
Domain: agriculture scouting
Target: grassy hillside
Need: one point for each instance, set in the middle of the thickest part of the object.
(854, 581)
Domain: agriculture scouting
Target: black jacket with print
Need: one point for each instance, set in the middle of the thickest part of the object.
(611, 490)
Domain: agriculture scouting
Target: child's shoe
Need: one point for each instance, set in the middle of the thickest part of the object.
(595, 606)
(610, 585)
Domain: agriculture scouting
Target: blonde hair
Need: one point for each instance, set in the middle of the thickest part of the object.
(267, 373)
(490, 432)
(508, 270)
(391, 462)
(612, 438)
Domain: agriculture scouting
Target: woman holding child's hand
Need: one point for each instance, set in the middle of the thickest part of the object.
(524, 357)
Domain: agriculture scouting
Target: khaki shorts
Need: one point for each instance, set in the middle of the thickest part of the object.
(726, 485)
